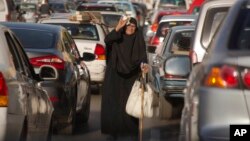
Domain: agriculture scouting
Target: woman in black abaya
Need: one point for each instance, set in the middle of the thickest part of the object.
(126, 51)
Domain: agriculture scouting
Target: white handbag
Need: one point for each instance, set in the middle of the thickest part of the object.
(150, 100)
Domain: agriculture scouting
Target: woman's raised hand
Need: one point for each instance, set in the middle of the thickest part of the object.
(120, 24)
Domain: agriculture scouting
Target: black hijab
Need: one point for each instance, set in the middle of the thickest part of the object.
(129, 51)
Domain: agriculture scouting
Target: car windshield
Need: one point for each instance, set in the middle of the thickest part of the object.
(165, 26)
(174, 2)
(40, 39)
(111, 20)
(181, 42)
(81, 31)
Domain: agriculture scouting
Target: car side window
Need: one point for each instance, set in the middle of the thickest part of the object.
(29, 70)
(15, 55)
(70, 48)
(74, 51)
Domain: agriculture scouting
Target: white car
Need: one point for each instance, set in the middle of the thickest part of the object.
(89, 37)
(126, 6)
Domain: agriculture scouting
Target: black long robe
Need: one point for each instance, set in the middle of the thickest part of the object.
(124, 56)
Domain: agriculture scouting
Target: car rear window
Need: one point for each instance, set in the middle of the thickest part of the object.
(81, 31)
(166, 25)
(111, 20)
(2, 5)
(95, 8)
(40, 39)
(241, 31)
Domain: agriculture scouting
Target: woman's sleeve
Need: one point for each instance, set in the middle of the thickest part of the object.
(113, 36)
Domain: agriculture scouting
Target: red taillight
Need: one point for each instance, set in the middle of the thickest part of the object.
(155, 41)
(48, 60)
(3, 92)
(172, 76)
(193, 57)
(154, 27)
(223, 77)
(246, 78)
(100, 52)
(54, 99)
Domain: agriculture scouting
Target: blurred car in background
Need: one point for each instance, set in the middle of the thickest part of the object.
(31, 13)
(9, 11)
(89, 37)
(97, 7)
(70, 93)
(154, 18)
(170, 4)
(25, 108)
(165, 24)
(125, 6)
(62, 7)
(111, 19)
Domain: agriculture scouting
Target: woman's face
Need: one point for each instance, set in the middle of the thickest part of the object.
(130, 29)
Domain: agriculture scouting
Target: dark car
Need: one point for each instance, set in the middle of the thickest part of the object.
(62, 7)
(53, 45)
(25, 108)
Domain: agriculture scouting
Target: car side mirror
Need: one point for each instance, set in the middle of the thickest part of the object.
(178, 65)
(47, 72)
(86, 56)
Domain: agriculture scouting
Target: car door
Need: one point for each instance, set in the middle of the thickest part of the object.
(80, 72)
(39, 104)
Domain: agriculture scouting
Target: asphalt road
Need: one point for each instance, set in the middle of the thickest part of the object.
(153, 130)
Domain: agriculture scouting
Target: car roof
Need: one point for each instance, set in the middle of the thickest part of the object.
(178, 18)
(96, 5)
(182, 27)
(34, 26)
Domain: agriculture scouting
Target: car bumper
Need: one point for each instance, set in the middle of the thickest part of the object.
(173, 86)
(217, 110)
(3, 123)
(97, 70)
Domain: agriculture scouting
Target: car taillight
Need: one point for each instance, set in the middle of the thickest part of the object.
(172, 76)
(155, 41)
(222, 77)
(3, 92)
(154, 27)
(52, 60)
(246, 77)
(193, 57)
(100, 52)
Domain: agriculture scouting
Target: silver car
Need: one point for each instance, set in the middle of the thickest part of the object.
(25, 108)
(218, 88)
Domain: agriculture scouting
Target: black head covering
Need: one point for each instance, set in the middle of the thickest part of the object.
(133, 21)
(129, 51)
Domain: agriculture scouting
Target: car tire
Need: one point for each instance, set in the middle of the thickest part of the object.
(83, 115)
